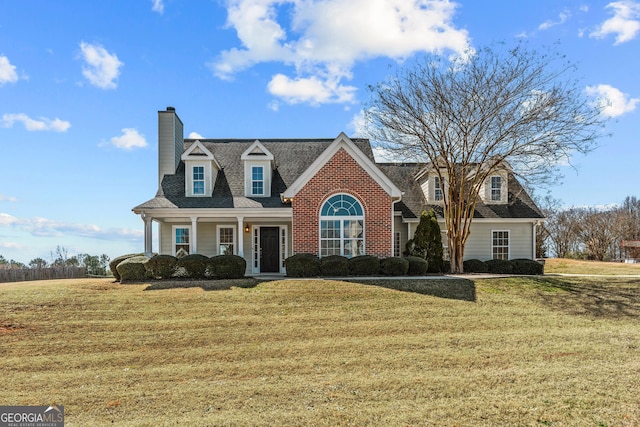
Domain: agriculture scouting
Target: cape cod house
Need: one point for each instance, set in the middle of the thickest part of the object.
(268, 199)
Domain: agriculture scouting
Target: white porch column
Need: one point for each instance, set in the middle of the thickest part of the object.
(148, 235)
(240, 236)
(194, 235)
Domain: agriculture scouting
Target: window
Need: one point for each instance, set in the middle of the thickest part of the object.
(496, 188)
(500, 245)
(182, 241)
(226, 240)
(438, 188)
(396, 244)
(257, 180)
(198, 180)
(341, 227)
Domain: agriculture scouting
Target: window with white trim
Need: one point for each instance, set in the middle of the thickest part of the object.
(500, 244)
(257, 180)
(226, 240)
(496, 188)
(181, 241)
(341, 227)
(396, 244)
(438, 188)
(198, 180)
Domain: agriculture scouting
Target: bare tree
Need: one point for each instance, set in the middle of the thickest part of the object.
(495, 108)
(597, 233)
(563, 227)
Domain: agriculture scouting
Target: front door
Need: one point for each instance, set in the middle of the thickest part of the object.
(269, 250)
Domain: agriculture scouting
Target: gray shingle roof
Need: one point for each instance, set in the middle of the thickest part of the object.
(292, 158)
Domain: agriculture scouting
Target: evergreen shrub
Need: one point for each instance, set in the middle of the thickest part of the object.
(195, 265)
(364, 265)
(417, 266)
(226, 267)
(474, 266)
(161, 266)
(133, 269)
(394, 266)
(303, 265)
(499, 266)
(527, 266)
(334, 265)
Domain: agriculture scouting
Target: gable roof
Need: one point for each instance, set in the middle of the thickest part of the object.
(296, 160)
(343, 142)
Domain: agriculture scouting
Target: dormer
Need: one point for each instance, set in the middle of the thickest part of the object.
(201, 170)
(258, 166)
(494, 190)
(433, 186)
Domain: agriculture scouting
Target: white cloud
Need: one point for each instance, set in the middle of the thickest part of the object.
(562, 18)
(42, 124)
(4, 198)
(43, 227)
(613, 102)
(158, 6)
(129, 140)
(312, 90)
(11, 245)
(326, 38)
(195, 135)
(102, 68)
(7, 71)
(625, 22)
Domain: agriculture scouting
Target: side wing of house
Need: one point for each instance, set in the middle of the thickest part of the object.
(504, 223)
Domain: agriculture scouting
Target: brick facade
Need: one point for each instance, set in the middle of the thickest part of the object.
(342, 174)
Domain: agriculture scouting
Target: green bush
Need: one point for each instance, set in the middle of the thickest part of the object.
(161, 266)
(226, 267)
(474, 266)
(499, 266)
(446, 266)
(394, 266)
(527, 266)
(133, 269)
(194, 264)
(303, 265)
(334, 265)
(364, 265)
(114, 264)
(417, 266)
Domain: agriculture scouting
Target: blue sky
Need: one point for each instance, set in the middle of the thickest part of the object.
(81, 83)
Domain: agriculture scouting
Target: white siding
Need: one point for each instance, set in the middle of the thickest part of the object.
(479, 243)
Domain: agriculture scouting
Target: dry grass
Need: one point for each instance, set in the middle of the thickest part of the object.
(573, 266)
(528, 351)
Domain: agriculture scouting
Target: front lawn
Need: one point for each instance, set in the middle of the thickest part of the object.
(527, 351)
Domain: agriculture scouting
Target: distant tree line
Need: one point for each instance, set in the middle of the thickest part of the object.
(97, 265)
(589, 232)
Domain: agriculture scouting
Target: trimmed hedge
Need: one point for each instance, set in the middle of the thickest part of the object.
(226, 267)
(394, 266)
(161, 266)
(303, 265)
(474, 266)
(195, 265)
(499, 266)
(527, 266)
(133, 269)
(364, 265)
(334, 265)
(417, 266)
(113, 265)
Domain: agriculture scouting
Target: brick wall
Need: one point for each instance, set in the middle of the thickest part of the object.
(342, 174)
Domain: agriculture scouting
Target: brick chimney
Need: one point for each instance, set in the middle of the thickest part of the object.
(170, 142)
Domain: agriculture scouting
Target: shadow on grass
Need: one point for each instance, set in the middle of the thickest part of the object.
(207, 285)
(460, 289)
(601, 297)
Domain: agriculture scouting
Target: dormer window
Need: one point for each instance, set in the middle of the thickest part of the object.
(438, 188)
(201, 170)
(258, 167)
(257, 181)
(496, 188)
(198, 180)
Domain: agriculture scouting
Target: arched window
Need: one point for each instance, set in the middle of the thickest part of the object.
(341, 227)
